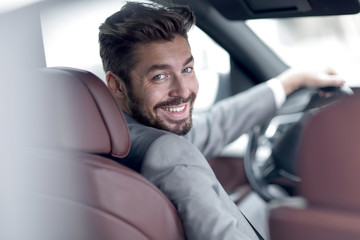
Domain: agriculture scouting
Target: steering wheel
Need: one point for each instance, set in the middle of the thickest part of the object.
(271, 154)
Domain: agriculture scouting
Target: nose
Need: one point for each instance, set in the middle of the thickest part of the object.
(180, 87)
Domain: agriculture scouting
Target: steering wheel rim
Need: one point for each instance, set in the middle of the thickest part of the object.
(256, 182)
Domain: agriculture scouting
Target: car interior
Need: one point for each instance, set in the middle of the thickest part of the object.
(327, 169)
(61, 128)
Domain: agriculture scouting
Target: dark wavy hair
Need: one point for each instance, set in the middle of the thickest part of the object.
(136, 24)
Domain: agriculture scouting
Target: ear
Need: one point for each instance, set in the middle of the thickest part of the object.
(116, 85)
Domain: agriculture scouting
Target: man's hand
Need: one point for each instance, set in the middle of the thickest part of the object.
(293, 79)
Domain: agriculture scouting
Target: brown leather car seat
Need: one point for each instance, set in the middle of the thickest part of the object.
(329, 168)
(70, 188)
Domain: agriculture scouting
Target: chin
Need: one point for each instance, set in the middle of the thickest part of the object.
(181, 130)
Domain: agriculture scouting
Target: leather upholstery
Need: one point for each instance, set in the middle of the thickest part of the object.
(80, 113)
(74, 189)
(330, 157)
(329, 168)
(313, 223)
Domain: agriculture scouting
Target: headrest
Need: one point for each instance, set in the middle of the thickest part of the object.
(73, 109)
(330, 156)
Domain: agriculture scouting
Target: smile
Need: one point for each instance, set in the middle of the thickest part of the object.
(174, 109)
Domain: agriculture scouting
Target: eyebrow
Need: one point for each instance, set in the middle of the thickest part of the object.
(166, 66)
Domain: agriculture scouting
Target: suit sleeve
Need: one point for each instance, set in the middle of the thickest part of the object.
(230, 118)
(181, 172)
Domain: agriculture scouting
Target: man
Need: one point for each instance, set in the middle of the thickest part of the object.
(150, 71)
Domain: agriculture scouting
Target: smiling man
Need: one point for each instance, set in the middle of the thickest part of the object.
(150, 71)
(163, 86)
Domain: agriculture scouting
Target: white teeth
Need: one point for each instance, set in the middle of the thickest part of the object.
(178, 109)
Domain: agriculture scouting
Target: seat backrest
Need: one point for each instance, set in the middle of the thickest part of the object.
(329, 169)
(75, 190)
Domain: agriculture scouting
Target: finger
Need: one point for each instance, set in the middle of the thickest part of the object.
(331, 80)
(325, 80)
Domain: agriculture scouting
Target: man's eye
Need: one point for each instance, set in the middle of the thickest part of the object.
(159, 77)
(188, 70)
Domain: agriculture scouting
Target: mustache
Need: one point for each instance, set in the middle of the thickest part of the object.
(176, 101)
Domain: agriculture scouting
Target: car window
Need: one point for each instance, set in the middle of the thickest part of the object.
(70, 34)
(316, 41)
(210, 61)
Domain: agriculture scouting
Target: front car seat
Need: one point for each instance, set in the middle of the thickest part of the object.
(329, 168)
(68, 186)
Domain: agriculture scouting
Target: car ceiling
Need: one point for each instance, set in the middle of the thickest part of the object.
(255, 9)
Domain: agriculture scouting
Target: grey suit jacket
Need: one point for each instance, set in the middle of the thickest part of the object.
(178, 166)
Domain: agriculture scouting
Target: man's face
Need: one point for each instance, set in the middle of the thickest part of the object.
(164, 85)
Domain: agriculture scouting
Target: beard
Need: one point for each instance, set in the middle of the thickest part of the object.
(179, 127)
